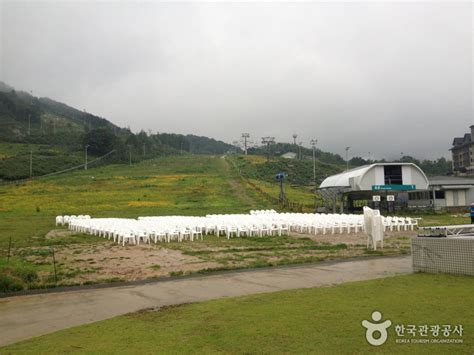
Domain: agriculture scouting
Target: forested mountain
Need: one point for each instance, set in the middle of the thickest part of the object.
(55, 135)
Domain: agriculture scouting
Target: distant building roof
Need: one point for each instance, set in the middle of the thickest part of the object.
(342, 179)
(289, 155)
(459, 141)
(450, 180)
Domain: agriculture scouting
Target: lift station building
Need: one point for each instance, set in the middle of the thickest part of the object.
(380, 185)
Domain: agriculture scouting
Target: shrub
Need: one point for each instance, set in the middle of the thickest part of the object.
(26, 274)
(9, 284)
(176, 273)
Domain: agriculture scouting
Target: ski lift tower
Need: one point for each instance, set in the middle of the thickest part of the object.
(268, 141)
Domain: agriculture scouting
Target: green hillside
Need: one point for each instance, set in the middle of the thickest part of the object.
(278, 149)
(54, 136)
(298, 172)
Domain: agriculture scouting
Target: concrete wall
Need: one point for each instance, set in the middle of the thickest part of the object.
(439, 203)
(470, 196)
(446, 255)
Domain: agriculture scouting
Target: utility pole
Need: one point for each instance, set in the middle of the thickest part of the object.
(245, 136)
(313, 144)
(31, 163)
(86, 147)
(29, 115)
(268, 141)
(347, 157)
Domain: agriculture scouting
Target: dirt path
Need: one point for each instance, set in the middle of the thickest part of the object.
(24, 317)
(236, 184)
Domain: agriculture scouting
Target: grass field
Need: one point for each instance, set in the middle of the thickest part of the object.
(319, 320)
(178, 185)
(300, 194)
(185, 185)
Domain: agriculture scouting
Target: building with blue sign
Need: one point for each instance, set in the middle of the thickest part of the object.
(380, 185)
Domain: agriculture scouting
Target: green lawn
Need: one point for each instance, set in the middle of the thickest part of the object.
(442, 219)
(319, 320)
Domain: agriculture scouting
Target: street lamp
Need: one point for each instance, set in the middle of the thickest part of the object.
(294, 138)
(347, 157)
(313, 144)
(85, 165)
(245, 136)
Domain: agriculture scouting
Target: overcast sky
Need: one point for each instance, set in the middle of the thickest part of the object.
(380, 77)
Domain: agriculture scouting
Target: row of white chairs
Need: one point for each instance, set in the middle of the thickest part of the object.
(183, 228)
(264, 212)
(399, 223)
(167, 230)
(64, 220)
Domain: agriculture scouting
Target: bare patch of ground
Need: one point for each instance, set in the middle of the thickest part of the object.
(79, 263)
(93, 259)
(111, 261)
(58, 233)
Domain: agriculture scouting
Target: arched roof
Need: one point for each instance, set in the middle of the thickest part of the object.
(343, 179)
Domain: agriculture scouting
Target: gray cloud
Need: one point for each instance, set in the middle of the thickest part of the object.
(380, 77)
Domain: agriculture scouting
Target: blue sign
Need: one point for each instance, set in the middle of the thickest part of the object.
(280, 176)
(393, 187)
